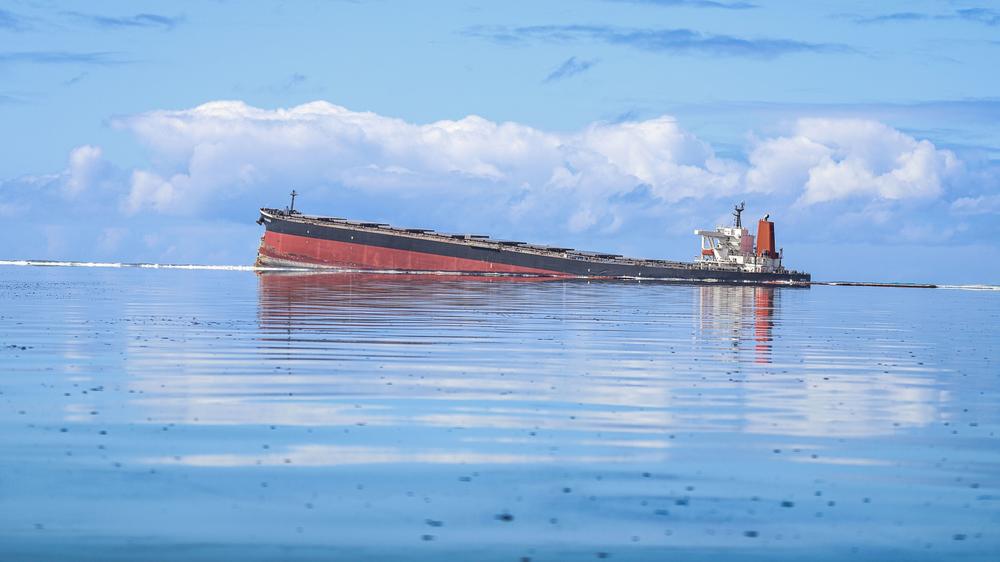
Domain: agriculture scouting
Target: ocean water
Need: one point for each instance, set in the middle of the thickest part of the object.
(172, 414)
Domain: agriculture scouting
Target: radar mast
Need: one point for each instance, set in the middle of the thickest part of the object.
(737, 211)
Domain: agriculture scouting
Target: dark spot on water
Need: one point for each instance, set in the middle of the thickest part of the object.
(603, 555)
(434, 523)
(750, 534)
(787, 503)
(427, 537)
(505, 517)
(958, 537)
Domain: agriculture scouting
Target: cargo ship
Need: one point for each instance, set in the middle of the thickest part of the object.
(297, 240)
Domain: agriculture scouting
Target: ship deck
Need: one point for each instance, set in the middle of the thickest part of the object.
(486, 242)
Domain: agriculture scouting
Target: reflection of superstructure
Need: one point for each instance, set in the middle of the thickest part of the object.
(733, 247)
(763, 323)
(731, 309)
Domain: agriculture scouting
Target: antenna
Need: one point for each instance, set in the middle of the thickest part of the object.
(737, 210)
(293, 194)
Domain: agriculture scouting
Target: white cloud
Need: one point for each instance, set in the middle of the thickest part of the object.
(659, 153)
(222, 159)
(982, 205)
(830, 159)
(86, 167)
(151, 192)
(782, 164)
(636, 188)
(88, 183)
(229, 150)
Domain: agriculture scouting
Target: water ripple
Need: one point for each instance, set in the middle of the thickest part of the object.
(342, 411)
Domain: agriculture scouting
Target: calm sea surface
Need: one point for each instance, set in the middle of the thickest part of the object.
(151, 414)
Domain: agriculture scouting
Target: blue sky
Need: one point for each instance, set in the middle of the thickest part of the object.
(144, 131)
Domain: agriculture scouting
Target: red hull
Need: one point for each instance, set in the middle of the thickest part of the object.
(328, 253)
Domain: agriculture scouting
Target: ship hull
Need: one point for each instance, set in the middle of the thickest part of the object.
(298, 242)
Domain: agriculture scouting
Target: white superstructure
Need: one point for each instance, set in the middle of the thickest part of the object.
(735, 248)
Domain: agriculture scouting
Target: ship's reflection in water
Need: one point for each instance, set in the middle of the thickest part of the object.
(496, 418)
(731, 307)
(597, 382)
(579, 360)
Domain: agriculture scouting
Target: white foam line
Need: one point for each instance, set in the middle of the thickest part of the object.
(74, 264)
(49, 263)
(971, 287)
(193, 266)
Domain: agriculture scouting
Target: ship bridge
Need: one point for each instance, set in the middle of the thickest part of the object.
(734, 247)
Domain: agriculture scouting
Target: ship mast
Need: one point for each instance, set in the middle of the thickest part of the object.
(291, 208)
(737, 210)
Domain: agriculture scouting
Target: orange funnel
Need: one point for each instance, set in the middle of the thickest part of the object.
(765, 239)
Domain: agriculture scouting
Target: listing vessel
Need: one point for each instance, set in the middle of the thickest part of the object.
(297, 240)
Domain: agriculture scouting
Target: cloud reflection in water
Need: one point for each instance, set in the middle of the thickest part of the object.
(340, 407)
